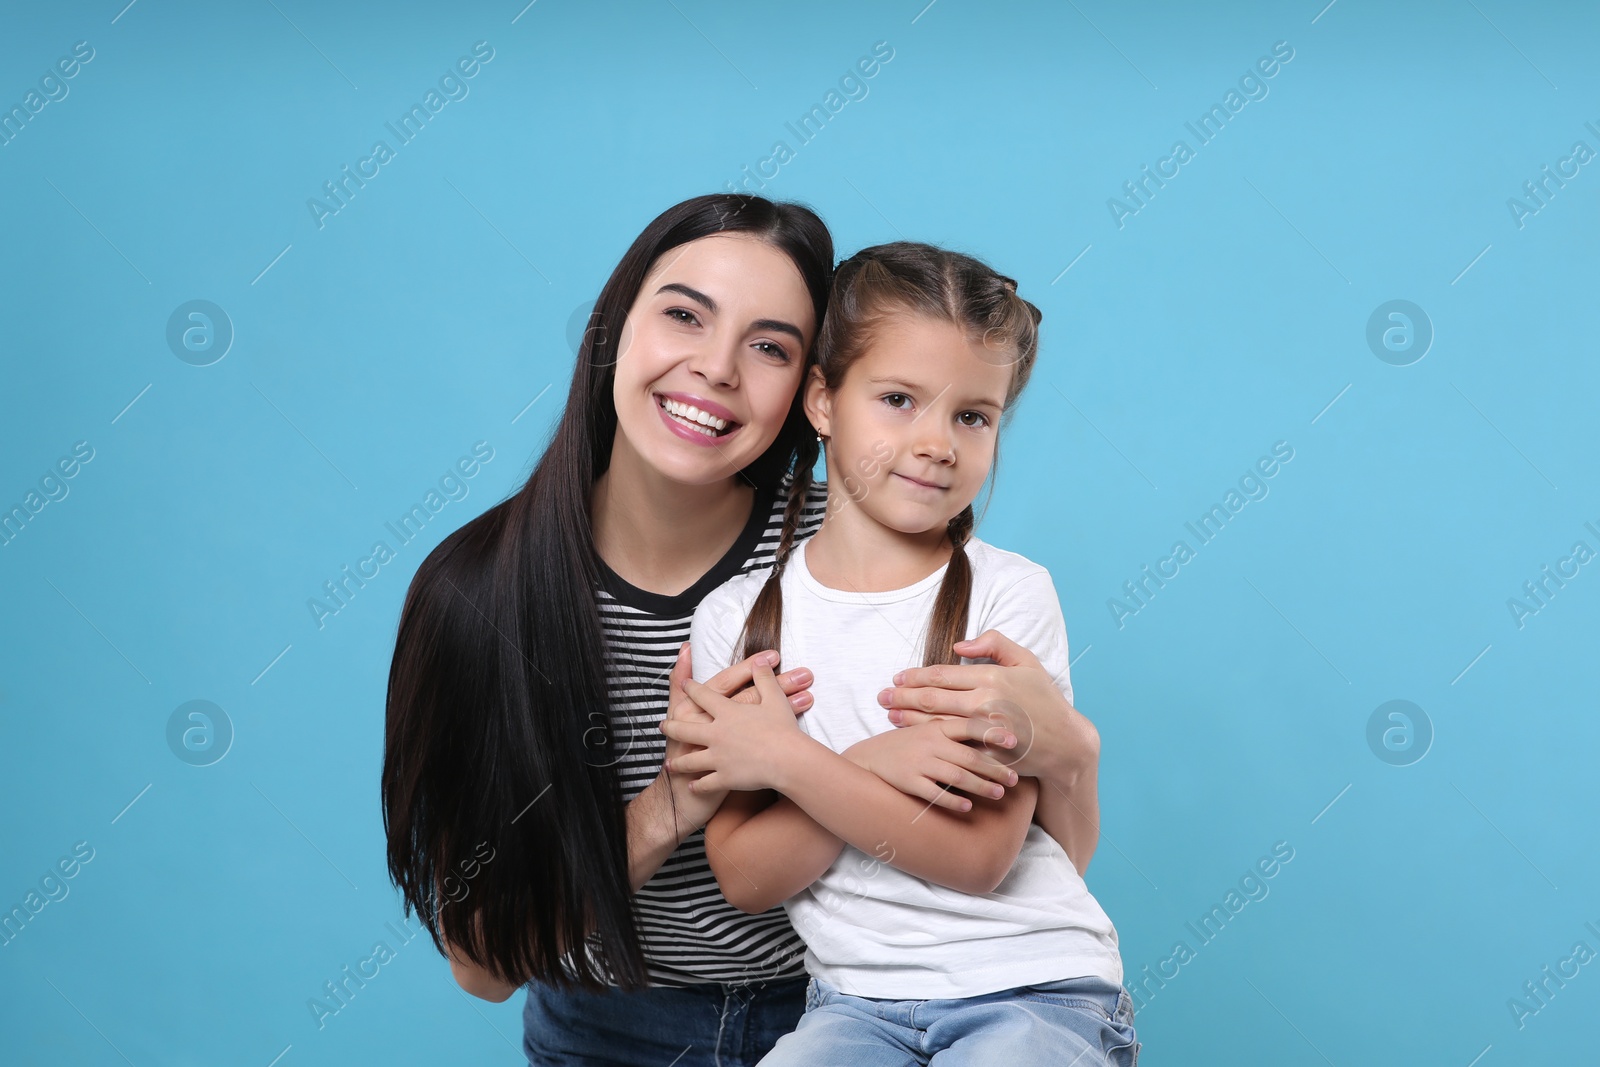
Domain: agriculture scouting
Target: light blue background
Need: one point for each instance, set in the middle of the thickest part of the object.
(1223, 317)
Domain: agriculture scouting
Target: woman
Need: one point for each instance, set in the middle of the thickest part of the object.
(529, 818)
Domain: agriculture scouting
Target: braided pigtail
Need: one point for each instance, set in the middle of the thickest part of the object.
(948, 624)
(763, 628)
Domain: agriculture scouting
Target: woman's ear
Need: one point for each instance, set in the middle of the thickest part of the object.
(817, 402)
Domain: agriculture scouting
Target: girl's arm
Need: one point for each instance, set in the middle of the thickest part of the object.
(928, 758)
(764, 849)
(766, 856)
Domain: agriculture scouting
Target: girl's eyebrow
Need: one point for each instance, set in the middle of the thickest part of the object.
(912, 387)
(710, 305)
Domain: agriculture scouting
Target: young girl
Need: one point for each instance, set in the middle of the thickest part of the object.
(932, 935)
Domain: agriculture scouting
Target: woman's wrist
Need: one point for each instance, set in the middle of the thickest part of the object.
(657, 825)
(1076, 752)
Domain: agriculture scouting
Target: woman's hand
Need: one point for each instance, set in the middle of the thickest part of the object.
(930, 759)
(1014, 694)
(696, 806)
(743, 744)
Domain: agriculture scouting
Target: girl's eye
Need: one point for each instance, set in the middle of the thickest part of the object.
(687, 318)
(983, 420)
(890, 399)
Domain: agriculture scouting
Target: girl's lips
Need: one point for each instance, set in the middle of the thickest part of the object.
(693, 436)
(920, 484)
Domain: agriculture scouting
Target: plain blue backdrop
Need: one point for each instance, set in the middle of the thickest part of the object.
(1186, 334)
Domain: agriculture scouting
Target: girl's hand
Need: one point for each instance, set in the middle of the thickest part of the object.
(1014, 694)
(743, 744)
(696, 806)
(929, 759)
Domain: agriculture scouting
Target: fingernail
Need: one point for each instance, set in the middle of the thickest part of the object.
(801, 702)
(769, 658)
(966, 805)
(801, 676)
(895, 716)
(899, 679)
(883, 697)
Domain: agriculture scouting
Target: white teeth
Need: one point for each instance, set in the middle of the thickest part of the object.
(703, 421)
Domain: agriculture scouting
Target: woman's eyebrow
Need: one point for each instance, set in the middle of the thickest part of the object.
(710, 305)
(779, 326)
(693, 294)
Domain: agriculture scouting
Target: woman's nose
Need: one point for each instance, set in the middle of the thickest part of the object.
(717, 364)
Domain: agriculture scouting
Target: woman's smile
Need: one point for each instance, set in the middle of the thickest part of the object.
(695, 419)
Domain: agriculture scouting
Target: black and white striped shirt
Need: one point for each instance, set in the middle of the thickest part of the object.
(688, 931)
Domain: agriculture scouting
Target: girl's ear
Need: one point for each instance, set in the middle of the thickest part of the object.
(817, 403)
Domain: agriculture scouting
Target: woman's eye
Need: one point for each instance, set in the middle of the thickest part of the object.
(772, 348)
(687, 317)
(891, 399)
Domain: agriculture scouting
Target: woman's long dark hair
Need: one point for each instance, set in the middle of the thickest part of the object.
(498, 742)
(908, 277)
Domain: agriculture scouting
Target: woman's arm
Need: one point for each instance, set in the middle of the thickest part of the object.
(759, 747)
(664, 813)
(1054, 741)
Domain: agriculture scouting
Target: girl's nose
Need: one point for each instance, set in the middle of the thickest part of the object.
(934, 444)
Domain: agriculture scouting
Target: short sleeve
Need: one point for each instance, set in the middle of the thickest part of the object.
(1029, 613)
(716, 626)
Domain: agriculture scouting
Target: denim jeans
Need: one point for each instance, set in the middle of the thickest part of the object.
(1077, 1022)
(709, 1025)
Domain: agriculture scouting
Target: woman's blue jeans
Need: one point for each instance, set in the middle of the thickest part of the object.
(709, 1025)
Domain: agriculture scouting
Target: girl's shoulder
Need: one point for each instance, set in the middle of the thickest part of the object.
(999, 565)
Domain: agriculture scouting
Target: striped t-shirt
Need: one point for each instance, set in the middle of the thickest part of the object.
(688, 930)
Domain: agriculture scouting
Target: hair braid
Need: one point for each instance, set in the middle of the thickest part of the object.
(763, 629)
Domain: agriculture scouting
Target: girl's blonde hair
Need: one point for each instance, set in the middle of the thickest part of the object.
(875, 284)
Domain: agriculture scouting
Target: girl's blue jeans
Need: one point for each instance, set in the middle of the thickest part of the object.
(1078, 1022)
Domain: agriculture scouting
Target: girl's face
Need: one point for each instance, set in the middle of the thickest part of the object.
(710, 357)
(912, 428)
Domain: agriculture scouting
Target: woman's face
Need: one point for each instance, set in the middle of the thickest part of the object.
(711, 356)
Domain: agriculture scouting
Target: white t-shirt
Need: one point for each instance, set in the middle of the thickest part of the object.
(872, 930)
